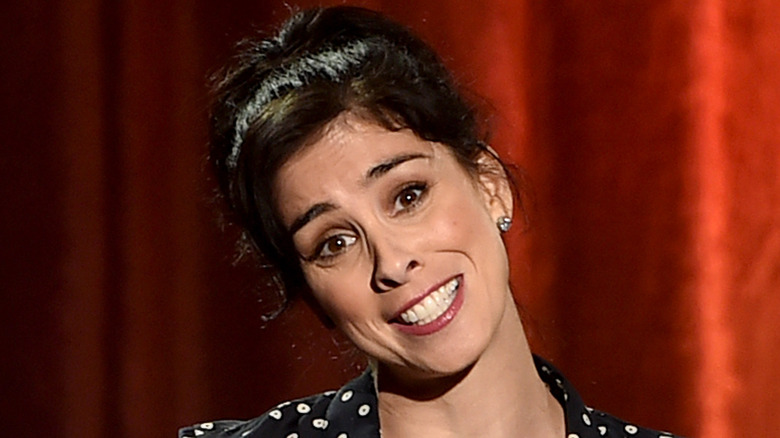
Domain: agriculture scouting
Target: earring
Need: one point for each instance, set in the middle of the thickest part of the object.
(504, 223)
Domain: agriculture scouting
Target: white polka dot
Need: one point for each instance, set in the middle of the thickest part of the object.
(590, 409)
(292, 435)
(303, 408)
(573, 435)
(199, 432)
(346, 396)
(631, 429)
(665, 435)
(602, 430)
(247, 432)
(207, 426)
(363, 410)
(281, 405)
(566, 396)
(545, 369)
(586, 419)
(328, 393)
(320, 423)
(343, 435)
(275, 414)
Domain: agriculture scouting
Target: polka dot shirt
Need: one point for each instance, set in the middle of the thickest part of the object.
(352, 412)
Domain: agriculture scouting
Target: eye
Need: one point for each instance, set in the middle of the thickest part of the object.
(334, 246)
(409, 197)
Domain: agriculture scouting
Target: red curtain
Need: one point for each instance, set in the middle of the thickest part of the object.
(649, 274)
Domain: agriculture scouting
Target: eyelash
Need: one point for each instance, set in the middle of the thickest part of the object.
(318, 252)
(418, 189)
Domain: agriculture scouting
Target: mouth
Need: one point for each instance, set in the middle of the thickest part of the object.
(433, 306)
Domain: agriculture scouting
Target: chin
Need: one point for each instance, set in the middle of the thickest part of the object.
(442, 361)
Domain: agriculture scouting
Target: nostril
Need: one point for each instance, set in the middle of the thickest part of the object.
(391, 274)
(386, 284)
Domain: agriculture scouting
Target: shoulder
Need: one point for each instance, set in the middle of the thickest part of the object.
(348, 412)
(583, 421)
(594, 422)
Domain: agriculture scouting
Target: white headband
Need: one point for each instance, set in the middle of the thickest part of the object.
(330, 63)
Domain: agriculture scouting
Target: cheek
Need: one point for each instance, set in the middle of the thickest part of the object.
(463, 220)
(338, 296)
(470, 230)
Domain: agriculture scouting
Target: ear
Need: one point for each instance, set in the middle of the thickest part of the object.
(494, 185)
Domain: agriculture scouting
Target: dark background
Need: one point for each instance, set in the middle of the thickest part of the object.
(649, 275)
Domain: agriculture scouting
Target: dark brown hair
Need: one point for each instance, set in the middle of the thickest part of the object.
(283, 90)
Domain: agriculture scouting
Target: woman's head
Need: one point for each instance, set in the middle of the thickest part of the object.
(399, 244)
(285, 91)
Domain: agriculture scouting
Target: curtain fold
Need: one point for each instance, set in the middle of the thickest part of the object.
(649, 272)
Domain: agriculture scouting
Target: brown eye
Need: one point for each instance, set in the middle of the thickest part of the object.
(409, 197)
(335, 245)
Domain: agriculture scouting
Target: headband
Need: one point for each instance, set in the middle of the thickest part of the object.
(331, 63)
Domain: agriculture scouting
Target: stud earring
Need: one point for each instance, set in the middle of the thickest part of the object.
(504, 223)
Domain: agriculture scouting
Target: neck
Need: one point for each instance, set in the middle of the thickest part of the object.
(501, 395)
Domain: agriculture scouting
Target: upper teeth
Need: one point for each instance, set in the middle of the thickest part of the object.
(433, 306)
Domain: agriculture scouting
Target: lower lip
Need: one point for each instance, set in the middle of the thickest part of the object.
(439, 323)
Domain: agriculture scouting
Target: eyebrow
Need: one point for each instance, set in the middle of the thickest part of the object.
(310, 215)
(372, 174)
(386, 166)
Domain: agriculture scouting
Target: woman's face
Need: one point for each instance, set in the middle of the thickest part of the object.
(399, 244)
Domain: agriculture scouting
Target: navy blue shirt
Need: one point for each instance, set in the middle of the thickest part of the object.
(351, 412)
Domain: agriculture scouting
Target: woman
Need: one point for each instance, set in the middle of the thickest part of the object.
(356, 167)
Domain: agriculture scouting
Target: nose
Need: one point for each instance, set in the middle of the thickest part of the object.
(393, 265)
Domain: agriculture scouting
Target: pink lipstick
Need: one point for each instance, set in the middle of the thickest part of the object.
(433, 311)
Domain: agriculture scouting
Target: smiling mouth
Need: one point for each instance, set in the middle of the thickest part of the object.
(433, 306)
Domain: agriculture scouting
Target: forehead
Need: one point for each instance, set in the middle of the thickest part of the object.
(354, 139)
(349, 146)
(340, 159)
